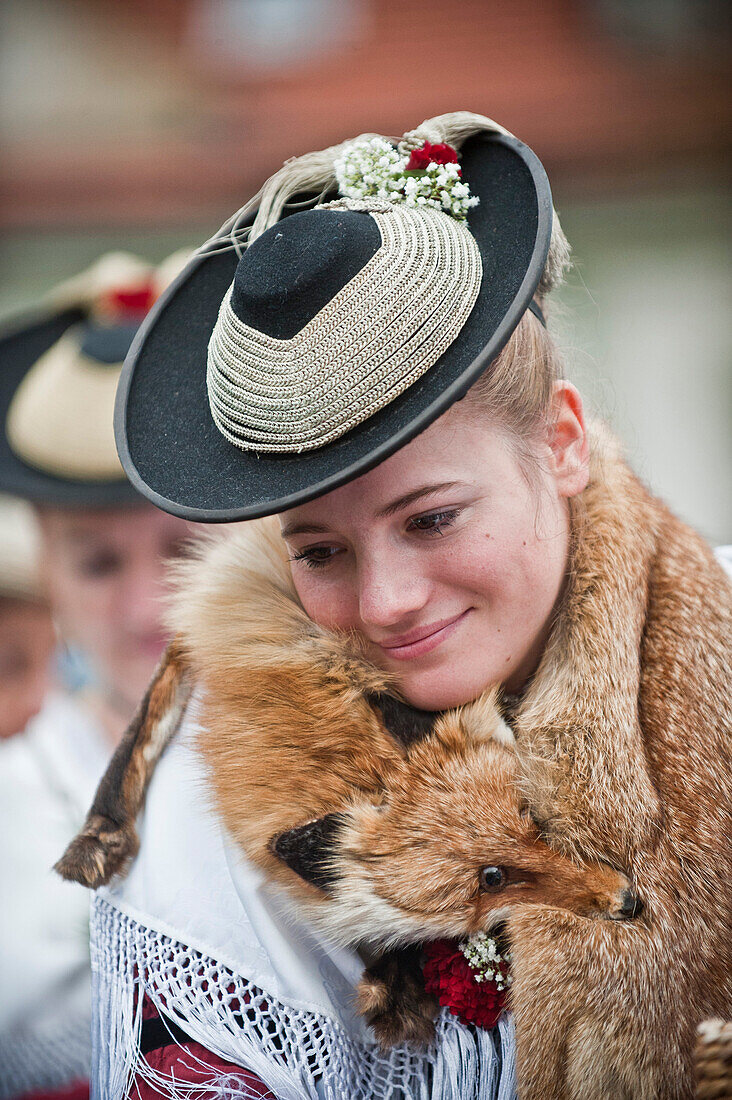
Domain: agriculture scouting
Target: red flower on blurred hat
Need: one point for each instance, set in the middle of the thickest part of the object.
(131, 302)
(431, 154)
(448, 977)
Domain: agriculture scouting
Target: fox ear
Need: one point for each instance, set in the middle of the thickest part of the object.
(308, 850)
(406, 724)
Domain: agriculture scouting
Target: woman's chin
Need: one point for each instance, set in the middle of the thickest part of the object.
(433, 692)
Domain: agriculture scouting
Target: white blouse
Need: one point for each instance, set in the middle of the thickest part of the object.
(48, 776)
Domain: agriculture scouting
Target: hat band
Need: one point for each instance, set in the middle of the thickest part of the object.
(380, 333)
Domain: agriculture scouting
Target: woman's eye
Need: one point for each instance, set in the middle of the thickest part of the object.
(434, 523)
(315, 556)
(100, 565)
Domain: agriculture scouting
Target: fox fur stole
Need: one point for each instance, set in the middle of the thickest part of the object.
(621, 757)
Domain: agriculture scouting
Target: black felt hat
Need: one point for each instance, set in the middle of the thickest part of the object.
(58, 374)
(179, 456)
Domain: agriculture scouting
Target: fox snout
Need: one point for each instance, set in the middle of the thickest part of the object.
(610, 896)
(629, 906)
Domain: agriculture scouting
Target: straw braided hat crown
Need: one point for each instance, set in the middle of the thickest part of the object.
(298, 349)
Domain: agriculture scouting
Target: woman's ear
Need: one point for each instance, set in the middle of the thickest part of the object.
(569, 460)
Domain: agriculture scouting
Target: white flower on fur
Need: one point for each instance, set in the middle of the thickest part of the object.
(486, 961)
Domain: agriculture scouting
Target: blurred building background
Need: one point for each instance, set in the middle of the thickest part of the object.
(144, 124)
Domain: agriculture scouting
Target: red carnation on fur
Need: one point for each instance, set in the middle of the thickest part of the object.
(431, 154)
(448, 977)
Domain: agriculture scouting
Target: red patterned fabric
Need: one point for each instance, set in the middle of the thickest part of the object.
(191, 1063)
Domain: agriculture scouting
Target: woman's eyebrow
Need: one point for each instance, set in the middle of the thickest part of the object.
(416, 494)
(303, 529)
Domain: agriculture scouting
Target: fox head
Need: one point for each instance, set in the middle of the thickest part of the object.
(446, 852)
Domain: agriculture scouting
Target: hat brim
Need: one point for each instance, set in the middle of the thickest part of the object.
(20, 349)
(167, 440)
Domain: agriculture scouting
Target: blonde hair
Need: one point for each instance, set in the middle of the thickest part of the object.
(516, 390)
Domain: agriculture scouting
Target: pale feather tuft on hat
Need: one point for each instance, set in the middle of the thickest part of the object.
(314, 173)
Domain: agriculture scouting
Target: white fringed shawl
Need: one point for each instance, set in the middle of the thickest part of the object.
(221, 951)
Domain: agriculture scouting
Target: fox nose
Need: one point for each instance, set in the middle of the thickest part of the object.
(631, 905)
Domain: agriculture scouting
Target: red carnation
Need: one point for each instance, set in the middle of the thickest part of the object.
(448, 976)
(431, 154)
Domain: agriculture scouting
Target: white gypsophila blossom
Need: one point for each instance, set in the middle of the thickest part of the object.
(375, 169)
(486, 961)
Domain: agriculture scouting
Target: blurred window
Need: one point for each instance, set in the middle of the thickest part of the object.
(262, 34)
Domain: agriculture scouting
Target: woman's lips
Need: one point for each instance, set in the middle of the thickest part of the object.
(419, 642)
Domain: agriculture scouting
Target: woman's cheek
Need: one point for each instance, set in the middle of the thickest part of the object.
(328, 604)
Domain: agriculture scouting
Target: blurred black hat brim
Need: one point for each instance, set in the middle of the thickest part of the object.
(20, 348)
(168, 442)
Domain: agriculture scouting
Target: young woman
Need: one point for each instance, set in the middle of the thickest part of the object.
(102, 552)
(376, 372)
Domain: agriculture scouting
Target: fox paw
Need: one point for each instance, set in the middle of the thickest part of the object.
(102, 849)
(392, 998)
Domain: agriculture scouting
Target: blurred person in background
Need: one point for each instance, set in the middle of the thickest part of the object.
(26, 630)
(103, 553)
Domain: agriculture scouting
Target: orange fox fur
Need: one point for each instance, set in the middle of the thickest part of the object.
(622, 754)
(625, 745)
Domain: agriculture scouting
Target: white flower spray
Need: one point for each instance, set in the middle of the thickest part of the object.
(375, 169)
(486, 961)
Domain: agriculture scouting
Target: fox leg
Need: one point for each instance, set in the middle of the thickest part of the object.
(108, 841)
(393, 1000)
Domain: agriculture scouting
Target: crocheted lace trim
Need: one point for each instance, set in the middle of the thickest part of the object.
(297, 1054)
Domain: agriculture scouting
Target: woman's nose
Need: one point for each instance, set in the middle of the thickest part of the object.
(390, 591)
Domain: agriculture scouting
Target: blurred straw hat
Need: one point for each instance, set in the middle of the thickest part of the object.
(19, 550)
(58, 376)
(310, 338)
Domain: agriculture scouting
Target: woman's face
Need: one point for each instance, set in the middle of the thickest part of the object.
(446, 558)
(105, 571)
(26, 645)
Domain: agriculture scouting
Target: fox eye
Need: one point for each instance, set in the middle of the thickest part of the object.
(492, 878)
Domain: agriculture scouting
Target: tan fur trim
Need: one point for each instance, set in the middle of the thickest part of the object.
(624, 741)
(108, 840)
(578, 727)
